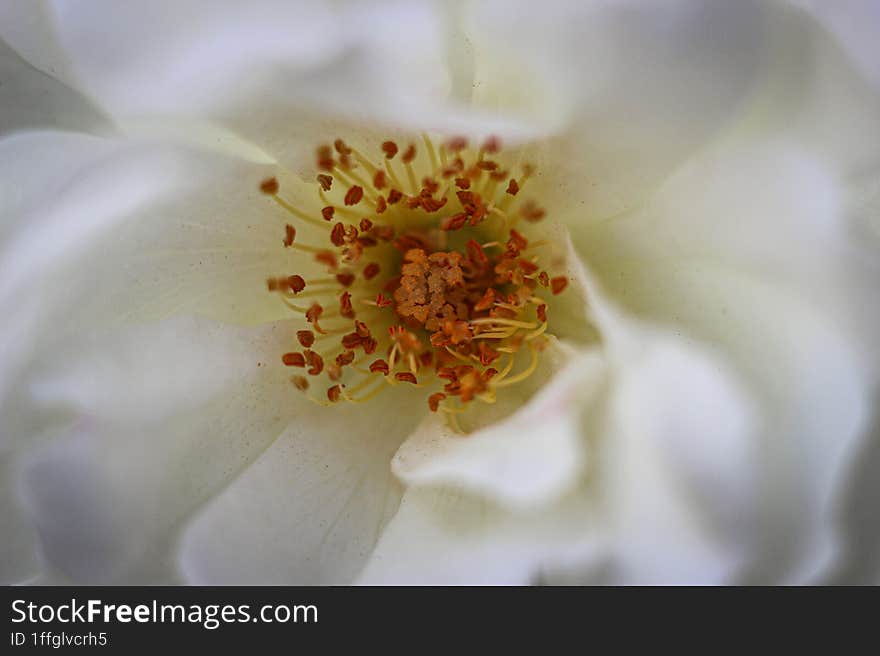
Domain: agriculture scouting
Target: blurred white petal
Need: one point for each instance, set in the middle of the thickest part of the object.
(137, 231)
(18, 550)
(855, 25)
(32, 99)
(633, 88)
(311, 508)
(444, 537)
(675, 482)
(109, 491)
(526, 460)
(750, 251)
(254, 66)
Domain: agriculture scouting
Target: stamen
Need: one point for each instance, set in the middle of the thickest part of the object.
(442, 318)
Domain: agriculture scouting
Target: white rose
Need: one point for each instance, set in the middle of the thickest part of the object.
(704, 411)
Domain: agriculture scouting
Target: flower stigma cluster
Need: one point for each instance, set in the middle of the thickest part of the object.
(429, 284)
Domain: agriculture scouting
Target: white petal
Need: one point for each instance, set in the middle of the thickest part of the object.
(859, 563)
(108, 493)
(270, 69)
(28, 28)
(813, 96)
(18, 549)
(750, 251)
(527, 460)
(137, 231)
(155, 215)
(311, 508)
(633, 88)
(856, 26)
(442, 537)
(147, 372)
(676, 475)
(32, 99)
(36, 165)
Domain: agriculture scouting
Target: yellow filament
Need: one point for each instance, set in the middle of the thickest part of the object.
(457, 355)
(308, 249)
(502, 322)
(391, 174)
(371, 378)
(329, 332)
(412, 178)
(452, 422)
(523, 374)
(431, 154)
(366, 162)
(321, 281)
(317, 293)
(503, 335)
(298, 213)
(368, 396)
(540, 331)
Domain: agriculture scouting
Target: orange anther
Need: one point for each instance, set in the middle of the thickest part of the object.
(269, 186)
(316, 362)
(371, 271)
(333, 393)
(476, 253)
(379, 366)
(354, 195)
(296, 283)
(454, 222)
(337, 235)
(294, 359)
(531, 212)
(325, 158)
(289, 235)
(434, 401)
(325, 181)
(327, 258)
(492, 145)
(305, 337)
(406, 377)
(457, 144)
(345, 279)
(345, 307)
(487, 301)
(558, 284)
(314, 313)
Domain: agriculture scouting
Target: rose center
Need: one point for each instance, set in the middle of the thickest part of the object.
(429, 285)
